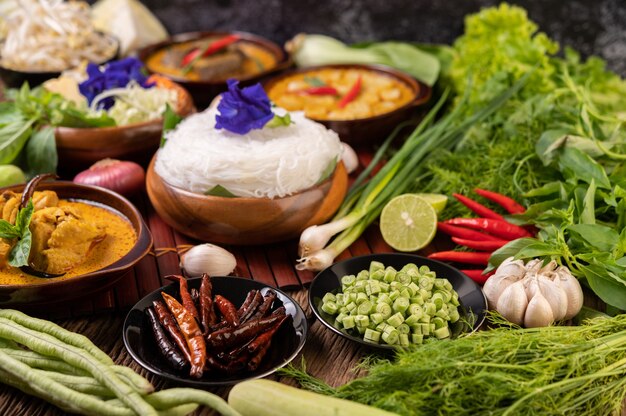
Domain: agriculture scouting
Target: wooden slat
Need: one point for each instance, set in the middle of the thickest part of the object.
(259, 269)
(126, 294)
(163, 237)
(282, 267)
(242, 269)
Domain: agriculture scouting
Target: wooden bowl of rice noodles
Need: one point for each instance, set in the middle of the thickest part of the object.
(284, 179)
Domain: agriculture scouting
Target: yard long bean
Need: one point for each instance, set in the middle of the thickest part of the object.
(49, 345)
(47, 327)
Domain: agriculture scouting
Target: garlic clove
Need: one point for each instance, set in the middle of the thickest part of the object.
(208, 258)
(548, 268)
(494, 286)
(533, 266)
(571, 286)
(512, 303)
(511, 267)
(555, 295)
(538, 312)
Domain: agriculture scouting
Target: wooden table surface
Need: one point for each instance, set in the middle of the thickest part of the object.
(100, 316)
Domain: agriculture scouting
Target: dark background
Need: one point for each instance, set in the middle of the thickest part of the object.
(591, 27)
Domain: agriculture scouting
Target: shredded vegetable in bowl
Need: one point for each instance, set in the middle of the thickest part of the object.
(52, 35)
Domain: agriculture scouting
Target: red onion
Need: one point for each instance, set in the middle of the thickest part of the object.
(122, 177)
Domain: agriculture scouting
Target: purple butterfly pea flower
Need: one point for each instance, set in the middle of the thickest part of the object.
(243, 109)
(116, 74)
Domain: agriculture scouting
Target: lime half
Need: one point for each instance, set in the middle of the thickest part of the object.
(438, 201)
(408, 223)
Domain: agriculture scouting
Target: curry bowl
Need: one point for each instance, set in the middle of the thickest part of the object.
(286, 343)
(473, 304)
(164, 58)
(385, 97)
(79, 148)
(242, 220)
(57, 290)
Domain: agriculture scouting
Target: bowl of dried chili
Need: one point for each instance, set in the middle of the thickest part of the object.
(243, 330)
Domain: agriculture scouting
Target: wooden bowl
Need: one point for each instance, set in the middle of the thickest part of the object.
(203, 92)
(370, 130)
(79, 148)
(245, 221)
(55, 291)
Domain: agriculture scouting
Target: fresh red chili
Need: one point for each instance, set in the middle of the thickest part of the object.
(478, 208)
(324, 90)
(192, 333)
(501, 229)
(185, 296)
(487, 245)
(477, 275)
(207, 311)
(464, 233)
(351, 94)
(509, 204)
(168, 322)
(210, 49)
(462, 257)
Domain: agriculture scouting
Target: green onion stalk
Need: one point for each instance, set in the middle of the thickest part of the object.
(366, 200)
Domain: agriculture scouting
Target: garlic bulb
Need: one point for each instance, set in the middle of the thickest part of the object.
(512, 303)
(539, 312)
(515, 287)
(208, 258)
(570, 285)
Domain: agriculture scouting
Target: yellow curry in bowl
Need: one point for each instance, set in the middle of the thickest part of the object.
(239, 59)
(340, 93)
(69, 238)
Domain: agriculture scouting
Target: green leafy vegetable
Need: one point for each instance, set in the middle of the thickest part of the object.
(219, 190)
(170, 121)
(41, 152)
(18, 256)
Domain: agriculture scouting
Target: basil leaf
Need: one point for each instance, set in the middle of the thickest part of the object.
(588, 214)
(69, 116)
(41, 152)
(170, 121)
(20, 252)
(219, 190)
(13, 137)
(9, 113)
(600, 237)
(314, 81)
(279, 121)
(8, 231)
(575, 164)
(22, 221)
(330, 168)
(509, 250)
(608, 286)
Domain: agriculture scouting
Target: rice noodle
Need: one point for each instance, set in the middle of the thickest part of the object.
(269, 162)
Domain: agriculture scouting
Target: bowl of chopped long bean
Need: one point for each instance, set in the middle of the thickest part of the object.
(205, 332)
(392, 300)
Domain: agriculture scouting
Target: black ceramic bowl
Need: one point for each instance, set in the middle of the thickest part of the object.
(471, 297)
(286, 343)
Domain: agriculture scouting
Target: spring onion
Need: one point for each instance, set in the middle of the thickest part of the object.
(365, 201)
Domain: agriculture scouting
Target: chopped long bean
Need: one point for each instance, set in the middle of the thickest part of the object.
(49, 345)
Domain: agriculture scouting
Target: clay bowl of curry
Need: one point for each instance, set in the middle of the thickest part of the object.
(203, 61)
(79, 148)
(244, 220)
(88, 237)
(362, 103)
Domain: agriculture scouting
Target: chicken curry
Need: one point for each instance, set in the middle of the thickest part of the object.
(340, 93)
(240, 60)
(69, 238)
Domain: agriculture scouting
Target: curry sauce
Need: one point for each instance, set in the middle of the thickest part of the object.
(119, 238)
